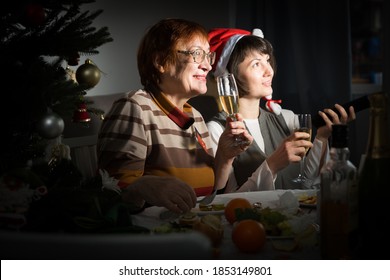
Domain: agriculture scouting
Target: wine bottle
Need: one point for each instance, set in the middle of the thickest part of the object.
(374, 190)
(358, 104)
(339, 200)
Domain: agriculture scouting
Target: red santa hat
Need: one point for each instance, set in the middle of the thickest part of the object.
(222, 41)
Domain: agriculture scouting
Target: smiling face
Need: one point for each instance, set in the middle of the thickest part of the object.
(253, 64)
(163, 68)
(185, 78)
(256, 73)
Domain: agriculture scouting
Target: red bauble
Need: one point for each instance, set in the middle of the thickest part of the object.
(81, 114)
(35, 14)
(74, 59)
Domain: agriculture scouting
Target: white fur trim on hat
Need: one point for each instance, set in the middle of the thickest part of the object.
(225, 55)
(228, 49)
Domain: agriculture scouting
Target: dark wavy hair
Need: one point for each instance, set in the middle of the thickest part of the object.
(158, 47)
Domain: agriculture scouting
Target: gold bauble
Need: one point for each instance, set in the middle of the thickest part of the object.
(88, 74)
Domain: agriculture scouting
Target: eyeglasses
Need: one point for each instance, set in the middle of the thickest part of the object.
(199, 55)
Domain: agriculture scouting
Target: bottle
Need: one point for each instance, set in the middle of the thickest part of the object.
(339, 198)
(374, 177)
(359, 104)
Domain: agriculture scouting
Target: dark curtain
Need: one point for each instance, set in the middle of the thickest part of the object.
(386, 46)
(312, 48)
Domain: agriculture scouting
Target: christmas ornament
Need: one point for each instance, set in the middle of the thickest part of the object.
(35, 14)
(71, 75)
(50, 126)
(88, 74)
(74, 59)
(18, 189)
(58, 153)
(81, 114)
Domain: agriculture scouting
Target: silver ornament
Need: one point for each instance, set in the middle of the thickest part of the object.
(50, 126)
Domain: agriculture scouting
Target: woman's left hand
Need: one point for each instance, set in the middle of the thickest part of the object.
(330, 117)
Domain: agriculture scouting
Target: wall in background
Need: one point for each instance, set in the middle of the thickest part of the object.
(128, 21)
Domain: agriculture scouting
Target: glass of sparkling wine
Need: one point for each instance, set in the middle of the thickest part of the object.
(228, 96)
(302, 124)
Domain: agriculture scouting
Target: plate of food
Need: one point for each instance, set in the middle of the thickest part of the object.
(211, 209)
(309, 201)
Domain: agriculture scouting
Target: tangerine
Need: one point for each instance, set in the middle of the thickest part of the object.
(249, 236)
(232, 205)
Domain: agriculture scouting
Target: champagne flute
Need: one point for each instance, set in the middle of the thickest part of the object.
(302, 124)
(228, 96)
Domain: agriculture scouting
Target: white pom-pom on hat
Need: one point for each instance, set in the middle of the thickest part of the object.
(257, 32)
(273, 106)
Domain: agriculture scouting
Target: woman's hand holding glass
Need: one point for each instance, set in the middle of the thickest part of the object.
(228, 96)
(228, 144)
(303, 124)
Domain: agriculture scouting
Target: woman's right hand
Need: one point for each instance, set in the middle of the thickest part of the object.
(330, 117)
(227, 144)
(292, 149)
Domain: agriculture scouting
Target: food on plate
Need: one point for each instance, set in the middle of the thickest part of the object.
(307, 199)
(248, 236)
(211, 226)
(189, 219)
(232, 206)
(205, 207)
(274, 222)
(212, 207)
(218, 206)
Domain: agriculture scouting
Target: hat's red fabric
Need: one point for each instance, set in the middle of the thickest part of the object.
(218, 37)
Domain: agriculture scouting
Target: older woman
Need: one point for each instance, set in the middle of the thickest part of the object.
(153, 141)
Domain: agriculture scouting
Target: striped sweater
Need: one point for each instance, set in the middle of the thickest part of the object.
(145, 134)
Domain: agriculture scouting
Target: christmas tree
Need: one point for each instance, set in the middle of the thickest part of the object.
(40, 39)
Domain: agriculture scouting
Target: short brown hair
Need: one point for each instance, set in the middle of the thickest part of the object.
(159, 45)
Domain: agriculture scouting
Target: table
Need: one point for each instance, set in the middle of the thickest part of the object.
(309, 249)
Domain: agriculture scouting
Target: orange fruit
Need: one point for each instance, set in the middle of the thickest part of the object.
(232, 205)
(249, 236)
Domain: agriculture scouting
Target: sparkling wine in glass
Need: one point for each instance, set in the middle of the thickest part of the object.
(303, 124)
(228, 95)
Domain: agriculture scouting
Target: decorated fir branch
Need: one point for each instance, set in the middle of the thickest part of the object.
(40, 40)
